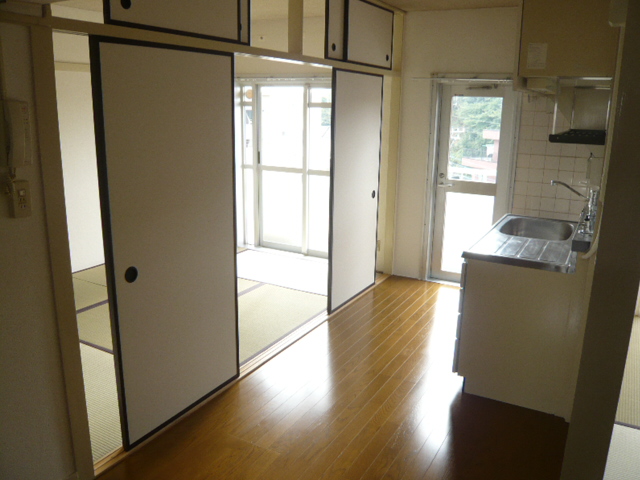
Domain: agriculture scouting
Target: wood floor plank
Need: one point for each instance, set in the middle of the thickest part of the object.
(297, 403)
(369, 394)
(362, 369)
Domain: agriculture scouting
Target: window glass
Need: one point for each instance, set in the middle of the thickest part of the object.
(474, 138)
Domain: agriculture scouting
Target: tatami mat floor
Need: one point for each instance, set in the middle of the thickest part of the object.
(102, 401)
(623, 462)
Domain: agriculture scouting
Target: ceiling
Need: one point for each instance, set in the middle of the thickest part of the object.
(271, 9)
(94, 5)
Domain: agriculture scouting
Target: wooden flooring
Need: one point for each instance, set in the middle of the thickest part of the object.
(369, 394)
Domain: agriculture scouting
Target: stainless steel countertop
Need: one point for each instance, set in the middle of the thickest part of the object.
(522, 251)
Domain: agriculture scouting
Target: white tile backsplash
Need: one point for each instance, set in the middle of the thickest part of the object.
(538, 147)
(566, 177)
(561, 206)
(575, 207)
(537, 161)
(522, 174)
(520, 188)
(548, 191)
(532, 203)
(541, 119)
(568, 150)
(534, 190)
(540, 161)
(552, 162)
(547, 204)
(535, 175)
(527, 118)
(523, 160)
(553, 149)
(567, 164)
(549, 175)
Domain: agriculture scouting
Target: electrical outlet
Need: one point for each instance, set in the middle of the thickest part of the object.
(20, 199)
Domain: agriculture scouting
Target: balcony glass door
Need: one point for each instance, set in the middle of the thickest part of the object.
(287, 206)
(472, 174)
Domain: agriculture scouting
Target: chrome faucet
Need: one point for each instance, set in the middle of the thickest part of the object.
(558, 182)
(588, 217)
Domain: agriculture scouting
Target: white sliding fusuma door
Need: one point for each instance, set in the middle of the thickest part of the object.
(164, 124)
(357, 122)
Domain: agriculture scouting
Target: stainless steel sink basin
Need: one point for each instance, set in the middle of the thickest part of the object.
(552, 230)
(529, 242)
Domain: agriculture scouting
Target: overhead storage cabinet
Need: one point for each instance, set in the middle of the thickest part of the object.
(334, 35)
(359, 32)
(369, 34)
(218, 19)
(567, 38)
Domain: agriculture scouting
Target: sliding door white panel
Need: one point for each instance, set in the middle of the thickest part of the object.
(370, 34)
(356, 126)
(334, 35)
(209, 18)
(164, 121)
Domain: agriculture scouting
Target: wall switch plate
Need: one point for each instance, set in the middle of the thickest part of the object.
(20, 199)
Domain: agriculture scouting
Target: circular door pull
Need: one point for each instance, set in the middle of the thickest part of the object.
(126, 4)
(131, 275)
(373, 194)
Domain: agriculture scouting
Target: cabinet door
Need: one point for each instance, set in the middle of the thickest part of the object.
(579, 42)
(164, 128)
(206, 18)
(334, 37)
(369, 34)
(357, 120)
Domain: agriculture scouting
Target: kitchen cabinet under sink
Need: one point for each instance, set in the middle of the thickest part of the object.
(520, 331)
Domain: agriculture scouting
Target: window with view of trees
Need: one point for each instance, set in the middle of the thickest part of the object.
(474, 139)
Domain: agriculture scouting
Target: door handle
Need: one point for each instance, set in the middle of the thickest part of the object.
(131, 274)
(444, 185)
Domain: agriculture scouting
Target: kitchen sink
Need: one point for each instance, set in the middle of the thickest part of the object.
(531, 242)
(552, 230)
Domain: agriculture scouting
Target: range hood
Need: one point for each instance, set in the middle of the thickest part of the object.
(582, 136)
(581, 111)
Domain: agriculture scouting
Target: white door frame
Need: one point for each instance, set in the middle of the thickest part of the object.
(437, 83)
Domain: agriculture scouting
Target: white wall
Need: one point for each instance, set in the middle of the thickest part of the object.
(77, 142)
(273, 34)
(35, 438)
(540, 161)
(452, 41)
